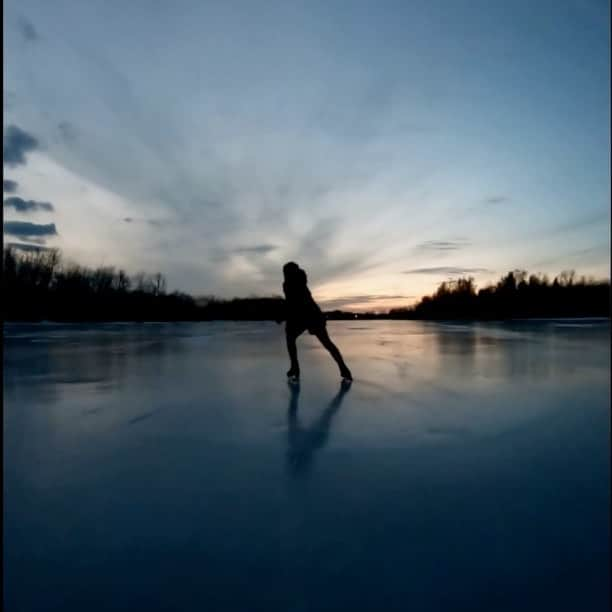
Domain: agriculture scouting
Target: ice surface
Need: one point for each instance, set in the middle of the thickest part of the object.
(171, 467)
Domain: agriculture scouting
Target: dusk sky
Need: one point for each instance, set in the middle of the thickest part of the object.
(384, 146)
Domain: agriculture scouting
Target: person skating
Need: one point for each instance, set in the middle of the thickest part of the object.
(302, 313)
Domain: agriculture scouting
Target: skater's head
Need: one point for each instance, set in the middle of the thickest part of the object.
(293, 273)
(290, 268)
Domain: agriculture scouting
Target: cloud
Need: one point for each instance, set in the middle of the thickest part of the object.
(67, 131)
(151, 222)
(21, 205)
(482, 207)
(347, 300)
(17, 143)
(27, 230)
(9, 186)
(27, 30)
(600, 249)
(578, 223)
(443, 245)
(314, 251)
(28, 247)
(207, 179)
(496, 200)
(259, 249)
(446, 270)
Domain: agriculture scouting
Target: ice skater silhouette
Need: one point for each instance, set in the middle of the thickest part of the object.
(302, 313)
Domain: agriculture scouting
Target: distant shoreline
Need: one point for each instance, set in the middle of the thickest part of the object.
(39, 286)
(378, 318)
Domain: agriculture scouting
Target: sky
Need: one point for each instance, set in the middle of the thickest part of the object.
(383, 146)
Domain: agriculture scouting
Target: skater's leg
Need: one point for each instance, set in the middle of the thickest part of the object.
(292, 348)
(326, 341)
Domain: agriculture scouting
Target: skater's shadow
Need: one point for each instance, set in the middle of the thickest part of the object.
(303, 442)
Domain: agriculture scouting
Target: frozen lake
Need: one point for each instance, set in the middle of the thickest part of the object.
(170, 467)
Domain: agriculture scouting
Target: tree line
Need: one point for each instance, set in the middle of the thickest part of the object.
(39, 285)
(516, 295)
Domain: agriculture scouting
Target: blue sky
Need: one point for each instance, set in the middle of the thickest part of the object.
(385, 146)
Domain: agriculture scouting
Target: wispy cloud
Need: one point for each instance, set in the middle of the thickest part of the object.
(578, 223)
(361, 300)
(571, 256)
(259, 249)
(449, 270)
(17, 143)
(482, 207)
(496, 199)
(68, 131)
(21, 205)
(443, 245)
(25, 229)
(9, 186)
(151, 222)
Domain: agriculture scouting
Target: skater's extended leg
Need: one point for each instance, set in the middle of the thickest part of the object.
(326, 341)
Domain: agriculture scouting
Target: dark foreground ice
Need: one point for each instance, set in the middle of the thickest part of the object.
(170, 467)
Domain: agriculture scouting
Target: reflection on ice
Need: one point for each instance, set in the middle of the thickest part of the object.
(305, 441)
